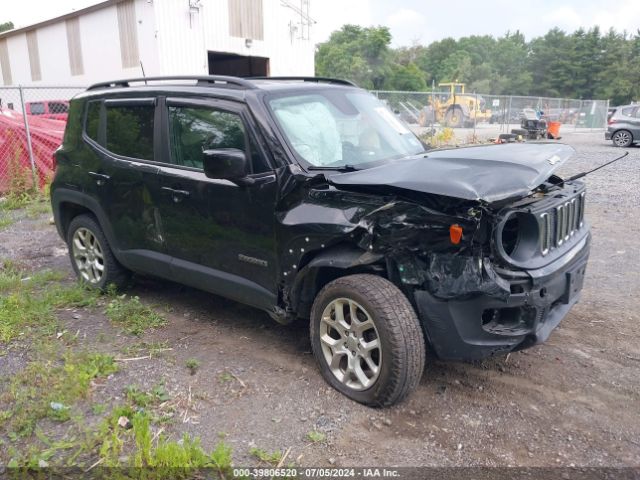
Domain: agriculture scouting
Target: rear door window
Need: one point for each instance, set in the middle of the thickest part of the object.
(627, 112)
(130, 129)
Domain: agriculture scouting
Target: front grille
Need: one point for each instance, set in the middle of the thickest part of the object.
(560, 223)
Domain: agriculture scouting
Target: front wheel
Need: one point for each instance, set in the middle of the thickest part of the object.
(367, 339)
(622, 138)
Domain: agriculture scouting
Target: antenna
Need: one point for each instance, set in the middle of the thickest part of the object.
(143, 75)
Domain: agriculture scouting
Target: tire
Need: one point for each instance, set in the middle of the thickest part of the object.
(400, 355)
(520, 131)
(454, 117)
(87, 243)
(622, 138)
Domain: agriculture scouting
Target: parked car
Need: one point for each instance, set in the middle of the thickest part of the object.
(53, 109)
(307, 198)
(623, 128)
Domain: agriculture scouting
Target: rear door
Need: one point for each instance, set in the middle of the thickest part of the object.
(216, 227)
(124, 175)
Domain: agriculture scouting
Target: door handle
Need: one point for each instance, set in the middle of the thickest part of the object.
(177, 194)
(101, 178)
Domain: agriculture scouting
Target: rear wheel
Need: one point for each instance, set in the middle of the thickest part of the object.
(367, 339)
(622, 138)
(91, 257)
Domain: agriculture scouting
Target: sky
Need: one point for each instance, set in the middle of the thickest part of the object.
(415, 21)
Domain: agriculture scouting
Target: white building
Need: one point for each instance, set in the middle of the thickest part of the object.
(117, 38)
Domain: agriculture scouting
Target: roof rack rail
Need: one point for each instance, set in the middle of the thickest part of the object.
(202, 80)
(339, 81)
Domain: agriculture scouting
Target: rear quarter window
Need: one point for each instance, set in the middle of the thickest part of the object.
(627, 112)
(92, 120)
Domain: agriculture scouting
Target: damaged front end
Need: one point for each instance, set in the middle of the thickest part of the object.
(503, 286)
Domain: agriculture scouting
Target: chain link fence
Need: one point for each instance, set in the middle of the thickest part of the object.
(480, 117)
(32, 121)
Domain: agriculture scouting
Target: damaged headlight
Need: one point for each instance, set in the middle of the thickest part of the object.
(518, 235)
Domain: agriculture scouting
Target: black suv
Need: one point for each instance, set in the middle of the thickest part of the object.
(307, 198)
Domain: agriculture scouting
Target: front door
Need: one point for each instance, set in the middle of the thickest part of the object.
(217, 231)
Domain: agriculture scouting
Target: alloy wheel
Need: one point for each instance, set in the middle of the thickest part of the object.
(350, 343)
(88, 256)
(622, 139)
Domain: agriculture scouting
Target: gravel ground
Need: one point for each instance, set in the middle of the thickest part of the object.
(572, 401)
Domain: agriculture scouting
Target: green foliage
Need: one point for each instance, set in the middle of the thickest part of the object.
(356, 53)
(47, 389)
(133, 315)
(272, 458)
(192, 364)
(582, 64)
(6, 26)
(179, 458)
(315, 436)
(27, 303)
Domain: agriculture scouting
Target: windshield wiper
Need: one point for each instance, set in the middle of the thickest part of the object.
(337, 168)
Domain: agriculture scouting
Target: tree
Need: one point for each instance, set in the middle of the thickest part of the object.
(6, 26)
(583, 64)
(356, 53)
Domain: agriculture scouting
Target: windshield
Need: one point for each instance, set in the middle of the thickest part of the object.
(334, 128)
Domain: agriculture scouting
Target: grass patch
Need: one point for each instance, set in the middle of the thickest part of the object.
(28, 303)
(37, 207)
(315, 436)
(132, 315)
(143, 399)
(272, 458)
(5, 221)
(153, 349)
(49, 388)
(192, 364)
(144, 448)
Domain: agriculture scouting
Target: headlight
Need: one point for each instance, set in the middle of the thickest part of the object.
(518, 236)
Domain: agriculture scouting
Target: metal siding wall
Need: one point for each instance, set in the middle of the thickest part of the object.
(180, 37)
(74, 45)
(246, 19)
(4, 63)
(127, 28)
(34, 55)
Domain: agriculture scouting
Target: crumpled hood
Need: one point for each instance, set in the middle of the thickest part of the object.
(489, 173)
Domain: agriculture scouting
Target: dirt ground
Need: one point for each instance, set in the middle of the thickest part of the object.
(572, 401)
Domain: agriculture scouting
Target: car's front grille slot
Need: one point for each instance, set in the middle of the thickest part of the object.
(559, 224)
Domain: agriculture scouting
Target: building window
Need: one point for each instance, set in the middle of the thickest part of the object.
(128, 34)
(75, 46)
(34, 55)
(130, 130)
(246, 19)
(5, 66)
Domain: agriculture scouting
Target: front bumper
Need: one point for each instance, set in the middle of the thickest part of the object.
(481, 326)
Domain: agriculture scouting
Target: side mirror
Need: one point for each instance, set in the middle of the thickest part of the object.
(225, 163)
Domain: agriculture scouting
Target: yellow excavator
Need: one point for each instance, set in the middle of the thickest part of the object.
(454, 108)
